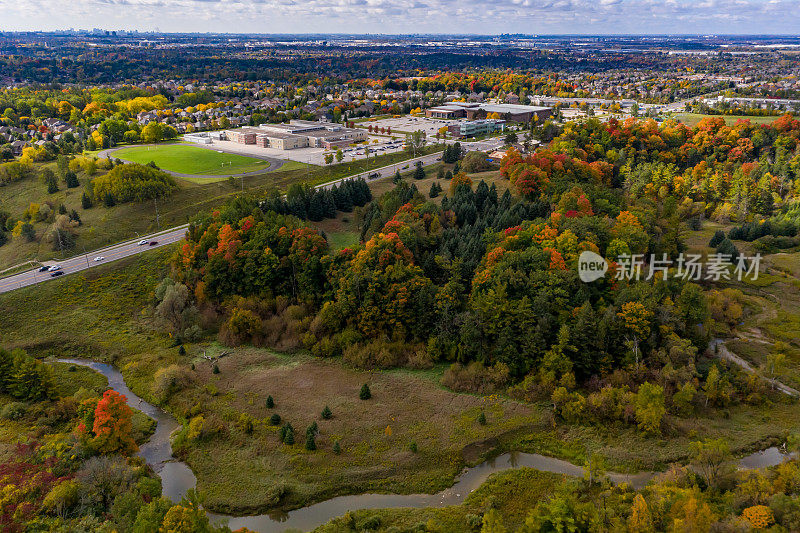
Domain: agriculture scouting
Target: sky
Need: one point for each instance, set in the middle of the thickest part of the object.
(409, 16)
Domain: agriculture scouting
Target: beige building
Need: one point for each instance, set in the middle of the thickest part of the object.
(297, 134)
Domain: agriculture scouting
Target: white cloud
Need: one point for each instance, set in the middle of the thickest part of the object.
(410, 16)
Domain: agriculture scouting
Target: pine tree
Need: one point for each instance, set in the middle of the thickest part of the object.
(337, 449)
(419, 172)
(6, 370)
(329, 204)
(181, 350)
(86, 202)
(289, 438)
(270, 402)
(326, 413)
(482, 418)
(275, 419)
(71, 179)
(311, 445)
(365, 393)
(215, 370)
(312, 429)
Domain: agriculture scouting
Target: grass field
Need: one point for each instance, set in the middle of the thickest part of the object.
(188, 159)
(691, 119)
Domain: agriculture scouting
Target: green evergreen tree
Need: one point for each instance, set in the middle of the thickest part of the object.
(270, 402)
(71, 180)
(6, 370)
(275, 419)
(337, 449)
(365, 393)
(326, 413)
(311, 444)
(419, 172)
(482, 418)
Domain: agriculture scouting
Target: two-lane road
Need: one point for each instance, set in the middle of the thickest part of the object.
(85, 261)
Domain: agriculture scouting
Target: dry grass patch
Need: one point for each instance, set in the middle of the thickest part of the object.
(237, 471)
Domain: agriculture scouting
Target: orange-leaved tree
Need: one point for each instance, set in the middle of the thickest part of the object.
(106, 424)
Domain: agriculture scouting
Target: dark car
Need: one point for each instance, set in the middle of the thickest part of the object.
(56, 273)
(43, 268)
(374, 175)
(153, 243)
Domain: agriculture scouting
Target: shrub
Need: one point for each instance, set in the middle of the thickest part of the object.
(13, 411)
(270, 402)
(61, 498)
(181, 350)
(482, 418)
(337, 448)
(476, 378)
(245, 423)
(275, 419)
(759, 516)
(365, 393)
(371, 523)
(168, 381)
(215, 370)
(326, 413)
(413, 447)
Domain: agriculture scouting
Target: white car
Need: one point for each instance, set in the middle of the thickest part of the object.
(144, 242)
(54, 268)
(99, 258)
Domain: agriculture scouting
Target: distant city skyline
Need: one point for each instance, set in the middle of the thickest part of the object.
(609, 17)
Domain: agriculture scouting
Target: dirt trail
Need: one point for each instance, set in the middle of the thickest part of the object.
(727, 355)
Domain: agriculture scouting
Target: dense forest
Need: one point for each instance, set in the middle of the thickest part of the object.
(488, 282)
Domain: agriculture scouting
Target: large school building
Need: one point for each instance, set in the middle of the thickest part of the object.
(474, 110)
(297, 134)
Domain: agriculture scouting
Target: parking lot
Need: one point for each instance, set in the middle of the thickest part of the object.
(409, 124)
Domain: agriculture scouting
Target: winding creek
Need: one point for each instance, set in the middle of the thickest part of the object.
(177, 478)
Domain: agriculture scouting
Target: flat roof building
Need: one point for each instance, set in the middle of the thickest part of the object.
(472, 110)
(298, 134)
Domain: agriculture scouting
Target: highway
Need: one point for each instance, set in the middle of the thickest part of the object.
(163, 238)
(86, 261)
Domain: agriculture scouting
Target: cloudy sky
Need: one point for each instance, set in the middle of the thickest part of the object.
(409, 16)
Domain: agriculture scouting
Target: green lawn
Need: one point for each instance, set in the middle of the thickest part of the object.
(187, 159)
(691, 119)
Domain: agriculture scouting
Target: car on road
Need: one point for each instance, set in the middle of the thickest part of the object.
(374, 175)
(143, 242)
(56, 273)
(153, 243)
(54, 268)
(99, 258)
(43, 268)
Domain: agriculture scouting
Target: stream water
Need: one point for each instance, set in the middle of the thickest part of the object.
(177, 478)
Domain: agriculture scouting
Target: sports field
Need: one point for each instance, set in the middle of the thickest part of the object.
(188, 159)
(691, 119)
